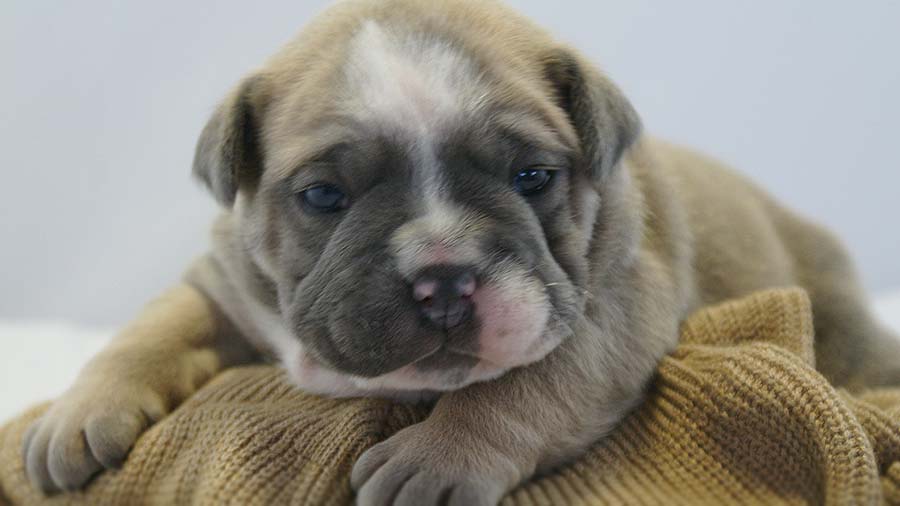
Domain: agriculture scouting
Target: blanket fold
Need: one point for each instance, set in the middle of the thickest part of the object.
(736, 415)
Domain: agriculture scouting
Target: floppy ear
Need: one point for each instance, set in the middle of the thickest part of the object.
(605, 121)
(228, 155)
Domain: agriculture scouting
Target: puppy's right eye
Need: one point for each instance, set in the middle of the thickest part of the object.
(324, 198)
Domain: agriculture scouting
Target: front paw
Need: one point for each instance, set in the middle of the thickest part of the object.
(91, 427)
(425, 465)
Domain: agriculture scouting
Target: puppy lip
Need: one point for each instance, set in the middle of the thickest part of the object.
(455, 351)
(315, 357)
(423, 356)
(443, 347)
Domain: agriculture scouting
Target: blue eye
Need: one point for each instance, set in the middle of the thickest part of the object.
(531, 181)
(324, 198)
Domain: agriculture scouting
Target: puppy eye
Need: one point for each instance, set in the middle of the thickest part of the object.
(324, 198)
(531, 181)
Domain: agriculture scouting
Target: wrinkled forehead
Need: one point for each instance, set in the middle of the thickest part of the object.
(417, 93)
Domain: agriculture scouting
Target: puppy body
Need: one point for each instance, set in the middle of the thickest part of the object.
(423, 110)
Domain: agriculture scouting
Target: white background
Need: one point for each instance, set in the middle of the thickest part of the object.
(101, 102)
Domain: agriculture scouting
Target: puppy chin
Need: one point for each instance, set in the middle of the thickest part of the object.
(408, 384)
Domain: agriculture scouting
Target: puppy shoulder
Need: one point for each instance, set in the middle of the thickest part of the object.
(228, 279)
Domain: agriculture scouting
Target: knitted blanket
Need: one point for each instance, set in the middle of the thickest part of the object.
(736, 415)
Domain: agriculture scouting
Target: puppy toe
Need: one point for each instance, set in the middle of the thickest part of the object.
(475, 493)
(368, 464)
(382, 487)
(36, 460)
(111, 436)
(69, 459)
(28, 437)
(422, 490)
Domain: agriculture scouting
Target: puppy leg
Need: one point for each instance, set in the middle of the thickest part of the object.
(481, 441)
(170, 350)
(853, 349)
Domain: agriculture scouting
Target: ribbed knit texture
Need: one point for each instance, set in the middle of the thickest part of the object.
(737, 415)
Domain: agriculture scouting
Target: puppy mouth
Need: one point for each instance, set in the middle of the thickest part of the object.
(447, 357)
(447, 369)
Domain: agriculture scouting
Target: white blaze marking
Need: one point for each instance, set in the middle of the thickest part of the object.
(414, 87)
(412, 84)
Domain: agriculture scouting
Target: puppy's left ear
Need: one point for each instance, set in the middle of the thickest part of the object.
(604, 120)
(228, 157)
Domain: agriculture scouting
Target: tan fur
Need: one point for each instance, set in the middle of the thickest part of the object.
(172, 348)
(702, 234)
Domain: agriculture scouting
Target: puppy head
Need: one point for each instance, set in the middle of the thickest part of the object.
(419, 181)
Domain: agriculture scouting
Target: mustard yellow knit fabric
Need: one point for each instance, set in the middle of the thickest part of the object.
(736, 415)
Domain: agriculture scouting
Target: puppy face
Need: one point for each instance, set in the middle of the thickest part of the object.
(422, 209)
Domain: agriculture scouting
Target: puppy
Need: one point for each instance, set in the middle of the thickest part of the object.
(435, 200)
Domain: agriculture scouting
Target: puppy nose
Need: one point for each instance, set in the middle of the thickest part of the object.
(444, 293)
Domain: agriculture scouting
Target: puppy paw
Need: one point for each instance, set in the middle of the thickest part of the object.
(425, 466)
(90, 428)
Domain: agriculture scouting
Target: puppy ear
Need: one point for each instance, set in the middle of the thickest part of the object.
(604, 120)
(228, 154)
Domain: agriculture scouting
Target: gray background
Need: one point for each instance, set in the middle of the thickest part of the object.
(102, 101)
